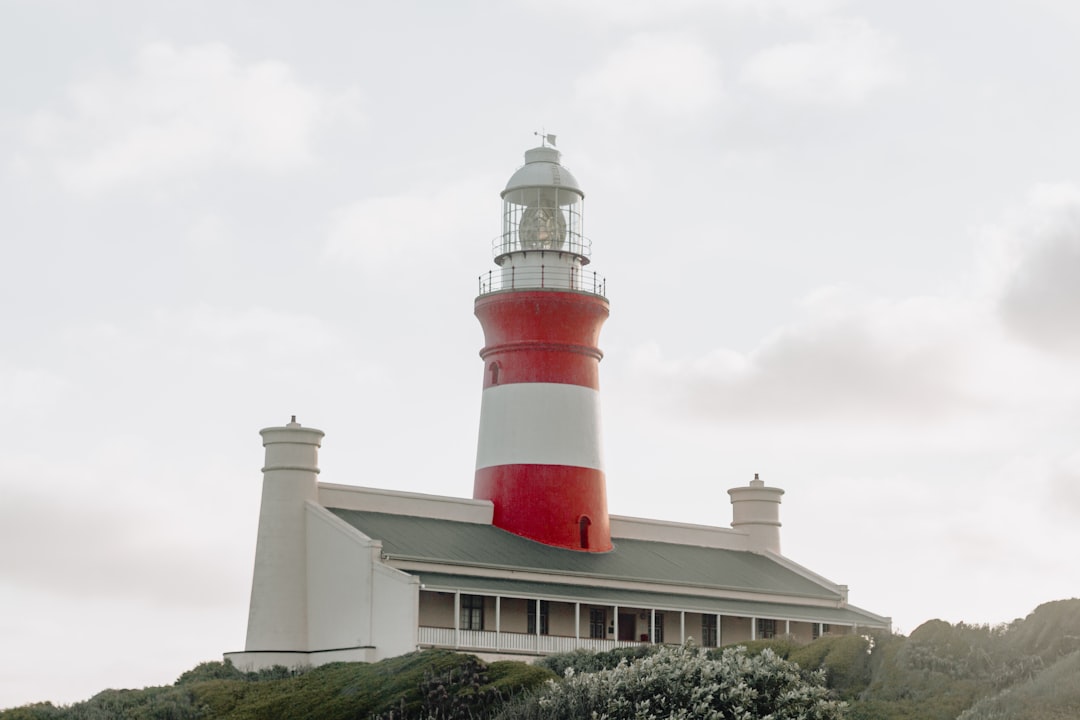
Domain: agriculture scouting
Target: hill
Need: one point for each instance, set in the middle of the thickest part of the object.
(437, 681)
(1028, 669)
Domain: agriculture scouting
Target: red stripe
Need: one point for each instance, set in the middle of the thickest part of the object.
(541, 336)
(547, 502)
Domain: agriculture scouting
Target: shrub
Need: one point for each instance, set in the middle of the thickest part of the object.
(1050, 695)
(211, 671)
(686, 683)
(783, 646)
(845, 659)
(586, 661)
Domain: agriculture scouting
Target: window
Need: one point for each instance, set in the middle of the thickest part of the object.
(819, 630)
(708, 631)
(472, 612)
(658, 628)
(583, 528)
(544, 607)
(597, 623)
(766, 628)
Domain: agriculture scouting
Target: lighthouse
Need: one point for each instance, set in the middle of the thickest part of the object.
(528, 565)
(539, 458)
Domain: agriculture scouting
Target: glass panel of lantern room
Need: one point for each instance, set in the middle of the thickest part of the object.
(542, 218)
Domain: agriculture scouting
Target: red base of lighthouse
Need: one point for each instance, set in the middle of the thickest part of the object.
(523, 496)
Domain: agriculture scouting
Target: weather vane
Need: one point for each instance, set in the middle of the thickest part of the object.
(545, 138)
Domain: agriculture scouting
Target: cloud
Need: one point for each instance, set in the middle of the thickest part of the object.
(845, 62)
(846, 358)
(205, 335)
(668, 76)
(623, 12)
(288, 333)
(945, 366)
(372, 232)
(183, 110)
(651, 12)
(1036, 269)
(1063, 490)
(106, 542)
(29, 390)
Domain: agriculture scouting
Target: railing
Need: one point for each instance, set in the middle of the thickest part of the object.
(439, 637)
(514, 642)
(478, 638)
(560, 644)
(574, 244)
(517, 641)
(557, 277)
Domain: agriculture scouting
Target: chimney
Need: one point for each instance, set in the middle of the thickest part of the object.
(755, 510)
(277, 619)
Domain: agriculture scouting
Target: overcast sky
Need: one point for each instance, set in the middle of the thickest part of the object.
(841, 240)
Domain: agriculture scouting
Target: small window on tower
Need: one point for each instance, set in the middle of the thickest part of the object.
(583, 527)
(493, 368)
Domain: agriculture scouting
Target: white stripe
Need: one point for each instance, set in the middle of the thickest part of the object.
(540, 423)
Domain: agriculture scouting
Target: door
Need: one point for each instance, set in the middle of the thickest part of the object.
(627, 626)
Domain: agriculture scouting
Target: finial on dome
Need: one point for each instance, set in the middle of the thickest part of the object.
(545, 138)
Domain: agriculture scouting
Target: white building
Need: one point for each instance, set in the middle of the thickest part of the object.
(532, 564)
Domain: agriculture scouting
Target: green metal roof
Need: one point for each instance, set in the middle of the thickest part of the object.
(646, 600)
(406, 537)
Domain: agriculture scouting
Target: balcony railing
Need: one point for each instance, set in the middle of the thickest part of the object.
(574, 244)
(514, 642)
(556, 277)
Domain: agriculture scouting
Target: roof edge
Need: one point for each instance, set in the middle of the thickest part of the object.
(710, 536)
(397, 502)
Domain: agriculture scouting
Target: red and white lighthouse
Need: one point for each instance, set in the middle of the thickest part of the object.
(539, 457)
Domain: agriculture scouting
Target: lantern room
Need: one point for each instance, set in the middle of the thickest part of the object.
(542, 208)
(542, 245)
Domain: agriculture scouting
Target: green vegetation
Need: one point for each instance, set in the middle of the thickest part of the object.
(1027, 670)
(434, 683)
(686, 683)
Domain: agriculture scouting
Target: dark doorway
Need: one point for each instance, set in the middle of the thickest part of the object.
(627, 626)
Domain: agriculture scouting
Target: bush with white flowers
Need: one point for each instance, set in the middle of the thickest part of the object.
(686, 683)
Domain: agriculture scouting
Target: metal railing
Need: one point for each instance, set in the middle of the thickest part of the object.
(558, 277)
(511, 242)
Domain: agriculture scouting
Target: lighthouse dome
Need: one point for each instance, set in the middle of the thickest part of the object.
(542, 169)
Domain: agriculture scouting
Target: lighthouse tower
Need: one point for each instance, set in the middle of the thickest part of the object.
(539, 456)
